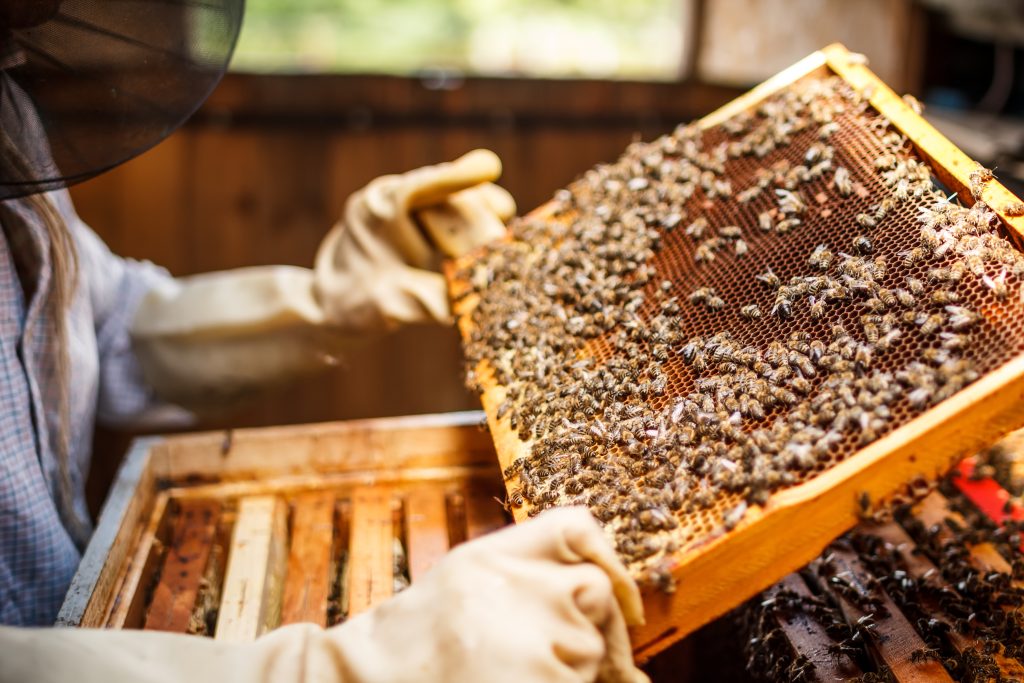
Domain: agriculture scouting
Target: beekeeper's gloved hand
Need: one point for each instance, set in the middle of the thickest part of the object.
(206, 339)
(545, 601)
(377, 268)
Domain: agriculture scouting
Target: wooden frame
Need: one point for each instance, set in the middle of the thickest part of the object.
(205, 519)
(798, 522)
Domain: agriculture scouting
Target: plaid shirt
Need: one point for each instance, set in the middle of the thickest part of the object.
(38, 556)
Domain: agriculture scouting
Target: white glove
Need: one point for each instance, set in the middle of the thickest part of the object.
(207, 339)
(376, 269)
(546, 601)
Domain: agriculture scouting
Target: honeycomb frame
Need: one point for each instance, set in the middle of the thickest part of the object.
(797, 522)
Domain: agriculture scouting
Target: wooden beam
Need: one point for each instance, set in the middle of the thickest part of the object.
(251, 599)
(94, 582)
(307, 584)
(891, 637)
(129, 603)
(933, 511)
(426, 529)
(174, 599)
(371, 549)
(921, 568)
(809, 637)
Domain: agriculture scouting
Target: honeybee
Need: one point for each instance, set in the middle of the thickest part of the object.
(961, 318)
(821, 257)
(978, 177)
(701, 294)
(783, 308)
(885, 161)
(1014, 209)
(818, 152)
(791, 202)
(785, 225)
(826, 130)
(842, 181)
(915, 286)
(819, 169)
(953, 341)
(730, 232)
(817, 308)
(905, 298)
(749, 194)
(863, 245)
(913, 256)
(751, 312)
(943, 297)
(886, 341)
(929, 324)
(697, 228)
(866, 221)
(996, 285)
(884, 207)
(765, 222)
(769, 279)
(705, 253)
(741, 247)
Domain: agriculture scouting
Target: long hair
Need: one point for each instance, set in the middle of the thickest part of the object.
(63, 258)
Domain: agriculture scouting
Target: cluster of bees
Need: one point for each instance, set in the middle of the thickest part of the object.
(968, 619)
(721, 313)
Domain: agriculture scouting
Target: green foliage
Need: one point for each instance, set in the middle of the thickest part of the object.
(605, 38)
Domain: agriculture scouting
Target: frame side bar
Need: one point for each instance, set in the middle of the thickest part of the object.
(116, 511)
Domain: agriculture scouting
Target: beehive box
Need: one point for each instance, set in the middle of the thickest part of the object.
(934, 594)
(807, 261)
(231, 534)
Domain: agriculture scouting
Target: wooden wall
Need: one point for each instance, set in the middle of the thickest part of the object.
(261, 172)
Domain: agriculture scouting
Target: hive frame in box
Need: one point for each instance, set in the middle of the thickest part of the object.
(439, 469)
(798, 522)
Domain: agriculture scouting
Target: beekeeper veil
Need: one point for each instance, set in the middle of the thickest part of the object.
(88, 84)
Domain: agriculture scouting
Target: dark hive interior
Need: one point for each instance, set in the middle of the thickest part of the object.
(723, 313)
(932, 595)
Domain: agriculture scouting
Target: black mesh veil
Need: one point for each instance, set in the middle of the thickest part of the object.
(88, 84)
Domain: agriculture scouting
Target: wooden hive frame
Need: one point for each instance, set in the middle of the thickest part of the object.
(798, 522)
(898, 634)
(265, 527)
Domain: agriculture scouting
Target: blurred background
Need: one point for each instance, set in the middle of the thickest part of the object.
(325, 95)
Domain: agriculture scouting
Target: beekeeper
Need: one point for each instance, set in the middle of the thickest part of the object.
(86, 336)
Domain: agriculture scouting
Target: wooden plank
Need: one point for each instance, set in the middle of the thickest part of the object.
(484, 514)
(379, 444)
(251, 598)
(809, 638)
(921, 568)
(371, 549)
(890, 635)
(934, 509)
(174, 598)
(426, 529)
(290, 485)
(307, 583)
(337, 611)
(131, 499)
(128, 606)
